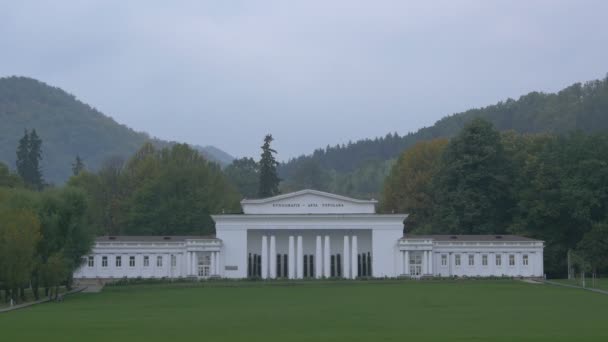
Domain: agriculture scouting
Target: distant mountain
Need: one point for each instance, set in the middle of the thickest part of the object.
(68, 128)
(579, 107)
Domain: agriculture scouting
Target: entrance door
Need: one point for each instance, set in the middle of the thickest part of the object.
(416, 264)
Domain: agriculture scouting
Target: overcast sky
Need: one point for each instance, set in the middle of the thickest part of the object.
(312, 73)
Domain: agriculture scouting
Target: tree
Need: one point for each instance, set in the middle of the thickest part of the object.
(472, 184)
(23, 161)
(408, 189)
(77, 166)
(19, 235)
(593, 247)
(29, 155)
(54, 272)
(9, 179)
(244, 173)
(269, 181)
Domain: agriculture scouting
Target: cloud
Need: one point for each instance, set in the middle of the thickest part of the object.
(312, 72)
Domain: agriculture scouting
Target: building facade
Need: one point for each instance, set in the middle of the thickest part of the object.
(312, 234)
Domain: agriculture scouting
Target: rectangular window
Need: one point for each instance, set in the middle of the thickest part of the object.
(173, 261)
(131, 261)
(118, 261)
(444, 260)
(457, 260)
(525, 260)
(159, 261)
(498, 260)
(471, 259)
(484, 260)
(511, 260)
(104, 261)
(91, 261)
(146, 261)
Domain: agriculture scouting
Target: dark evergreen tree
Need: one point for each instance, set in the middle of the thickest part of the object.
(269, 181)
(23, 151)
(29, 155)
(77, 166)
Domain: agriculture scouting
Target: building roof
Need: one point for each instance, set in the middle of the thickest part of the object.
(471, 238)
(309, 192)
(150, 238)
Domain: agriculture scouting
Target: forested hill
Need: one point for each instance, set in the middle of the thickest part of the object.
(67, 128)
(582, 107)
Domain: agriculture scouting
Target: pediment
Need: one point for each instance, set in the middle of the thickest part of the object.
(308, 202)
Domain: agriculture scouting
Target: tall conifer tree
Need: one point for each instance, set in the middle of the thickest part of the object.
(29, 155)
(269, 181)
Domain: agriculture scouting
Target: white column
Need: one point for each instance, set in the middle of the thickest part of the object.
(292, 256)
(194, 264)
(264, 257)
(300, 260)
(407, 263)
(273, 257)
(186, 258)
(353, 257)
(326, 258)
(346, 259)
(424, 262)
(431, 260)
(318, 259)
(212, 271)
(218, 271)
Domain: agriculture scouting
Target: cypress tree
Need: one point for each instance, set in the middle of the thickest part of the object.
(29, 155)
(23, 156)
(269, 181)
(35, 156)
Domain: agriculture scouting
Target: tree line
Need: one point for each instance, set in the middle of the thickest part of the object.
(359, 168)
(45, 231)
(550, 187)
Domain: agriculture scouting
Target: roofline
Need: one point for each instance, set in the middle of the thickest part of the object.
(328, 216)
(432, 236)
(307, 191)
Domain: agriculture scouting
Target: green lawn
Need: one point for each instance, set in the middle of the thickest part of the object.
(342, 311)
(599, 283)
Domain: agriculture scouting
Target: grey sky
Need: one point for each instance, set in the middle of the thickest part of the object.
(310, 72)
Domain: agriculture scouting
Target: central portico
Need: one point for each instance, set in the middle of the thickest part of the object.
(310, 234)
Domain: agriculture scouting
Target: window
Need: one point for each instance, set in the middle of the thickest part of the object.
(159, 261)
(104, 261)
(332, 266)
(498, 260)
(146, 261)
(511, 260)
(471, 259)
(279, 268)
(118, 261)
(484, 260)
(173, 260)
(457, 260)
(525, 260)
(91, 261)
(444, 260)
(131, 261)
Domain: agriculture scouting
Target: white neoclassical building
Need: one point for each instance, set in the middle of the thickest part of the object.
(312, 234)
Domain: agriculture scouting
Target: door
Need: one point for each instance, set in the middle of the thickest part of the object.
(416, 264)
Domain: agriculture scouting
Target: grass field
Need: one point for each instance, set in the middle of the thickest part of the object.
(599, 283)
(384, 311)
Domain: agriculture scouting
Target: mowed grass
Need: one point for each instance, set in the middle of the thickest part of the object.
(341, 311)
(598, 283)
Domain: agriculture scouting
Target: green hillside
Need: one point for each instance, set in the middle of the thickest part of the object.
(68, 128)
(346, 168)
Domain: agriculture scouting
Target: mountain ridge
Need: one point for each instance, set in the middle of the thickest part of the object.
(69, 127)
